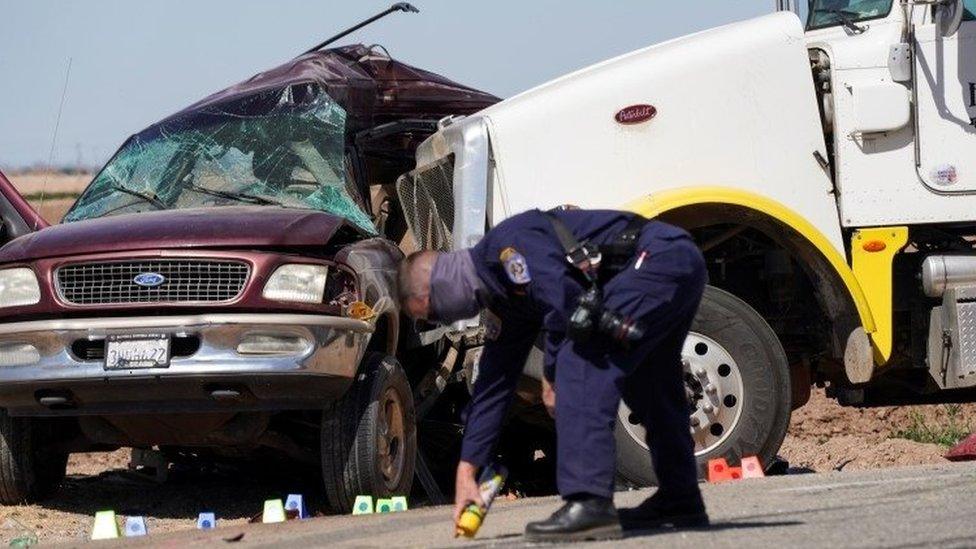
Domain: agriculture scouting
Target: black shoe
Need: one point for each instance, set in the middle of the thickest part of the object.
(582, 520)
(663, 510)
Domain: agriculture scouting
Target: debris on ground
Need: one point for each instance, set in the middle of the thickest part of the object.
(964, 451)
(100, 481)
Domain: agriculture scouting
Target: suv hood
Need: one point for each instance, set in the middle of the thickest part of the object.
(224, 227)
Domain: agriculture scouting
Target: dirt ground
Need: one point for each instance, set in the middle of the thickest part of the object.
(101, 481)
(51, 193)
(36, 182)
(823, 437)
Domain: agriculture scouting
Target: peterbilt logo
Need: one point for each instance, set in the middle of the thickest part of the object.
(635, 114)
(149, 280)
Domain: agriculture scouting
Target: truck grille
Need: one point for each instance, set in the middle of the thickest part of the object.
(427, 198)
(177, 281)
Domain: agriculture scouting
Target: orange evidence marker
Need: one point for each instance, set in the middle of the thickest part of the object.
(719, 471)
(751, 468)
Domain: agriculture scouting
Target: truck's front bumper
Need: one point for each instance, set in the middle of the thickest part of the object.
(219, 361)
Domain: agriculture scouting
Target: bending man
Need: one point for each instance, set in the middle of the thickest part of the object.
(615, 295)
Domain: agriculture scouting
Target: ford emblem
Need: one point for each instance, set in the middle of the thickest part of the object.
(635, 114)
(149, 280)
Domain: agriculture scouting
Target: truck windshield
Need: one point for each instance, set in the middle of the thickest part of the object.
(829, 13)
(280, 148)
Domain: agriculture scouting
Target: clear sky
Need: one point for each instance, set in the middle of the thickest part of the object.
(134, 61)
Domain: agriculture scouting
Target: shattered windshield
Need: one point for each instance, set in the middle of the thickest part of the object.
(284, 148)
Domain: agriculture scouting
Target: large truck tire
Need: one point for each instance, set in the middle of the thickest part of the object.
(738, 381)
(29, 470)
(369, 437)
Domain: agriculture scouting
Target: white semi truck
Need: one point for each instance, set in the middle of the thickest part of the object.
(827, 169)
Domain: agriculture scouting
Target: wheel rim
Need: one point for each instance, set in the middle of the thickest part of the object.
(392, 438)
(713, 385)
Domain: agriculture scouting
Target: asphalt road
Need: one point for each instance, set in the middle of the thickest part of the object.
(903, 507)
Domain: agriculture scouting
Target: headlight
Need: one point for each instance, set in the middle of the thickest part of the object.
(298, 283)
(19, 287)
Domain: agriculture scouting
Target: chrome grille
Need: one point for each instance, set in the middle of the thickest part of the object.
(427, 198)
(184, 281)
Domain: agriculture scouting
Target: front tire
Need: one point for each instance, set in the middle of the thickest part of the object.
(738, 381)
(29, 469)
(369, 437)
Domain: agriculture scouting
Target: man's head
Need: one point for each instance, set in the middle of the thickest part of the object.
(413, 281)
(439, 286)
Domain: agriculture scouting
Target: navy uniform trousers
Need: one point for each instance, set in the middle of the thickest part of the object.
(533, 287)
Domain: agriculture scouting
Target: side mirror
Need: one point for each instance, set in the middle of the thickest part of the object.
(948, 16)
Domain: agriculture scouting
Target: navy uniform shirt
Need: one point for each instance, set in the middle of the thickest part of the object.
(532, 288)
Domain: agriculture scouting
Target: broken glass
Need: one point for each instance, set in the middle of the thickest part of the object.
(283, 147)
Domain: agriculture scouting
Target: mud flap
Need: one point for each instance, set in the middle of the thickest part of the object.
(858, 356)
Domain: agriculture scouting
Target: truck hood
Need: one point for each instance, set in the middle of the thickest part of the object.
(226, 227)
(737, 121)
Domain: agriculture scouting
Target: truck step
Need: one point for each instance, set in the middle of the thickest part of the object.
(952, 339)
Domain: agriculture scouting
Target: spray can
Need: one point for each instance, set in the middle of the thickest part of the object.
(490, 485)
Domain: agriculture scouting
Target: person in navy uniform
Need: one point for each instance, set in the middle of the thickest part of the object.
(614, 295)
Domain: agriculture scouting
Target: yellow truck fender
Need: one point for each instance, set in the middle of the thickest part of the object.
(867, 282)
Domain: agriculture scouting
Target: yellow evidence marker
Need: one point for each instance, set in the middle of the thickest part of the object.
(274, 511)
(363, 505)
(106, 527)
(399, 503)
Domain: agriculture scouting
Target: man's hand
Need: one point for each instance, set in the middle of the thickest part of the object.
(466, 489)
(549, 397)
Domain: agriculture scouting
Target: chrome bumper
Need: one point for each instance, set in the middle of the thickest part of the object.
(54, 379)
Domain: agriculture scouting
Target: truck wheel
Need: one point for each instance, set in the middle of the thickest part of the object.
(738, 384)
(369, 437)
(29, 471)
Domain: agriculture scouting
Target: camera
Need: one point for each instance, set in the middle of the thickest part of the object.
(590, 317)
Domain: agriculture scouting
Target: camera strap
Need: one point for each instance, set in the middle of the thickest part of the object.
(585, 258)
(588, 258)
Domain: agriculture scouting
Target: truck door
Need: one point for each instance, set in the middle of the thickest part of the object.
(17, 217)
(945, 72)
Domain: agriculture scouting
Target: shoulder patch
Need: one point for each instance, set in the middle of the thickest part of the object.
(515, 266)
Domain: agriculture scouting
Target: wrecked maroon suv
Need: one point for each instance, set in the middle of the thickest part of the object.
(225, 285)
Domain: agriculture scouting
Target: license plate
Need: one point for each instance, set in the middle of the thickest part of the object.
(124, 352)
